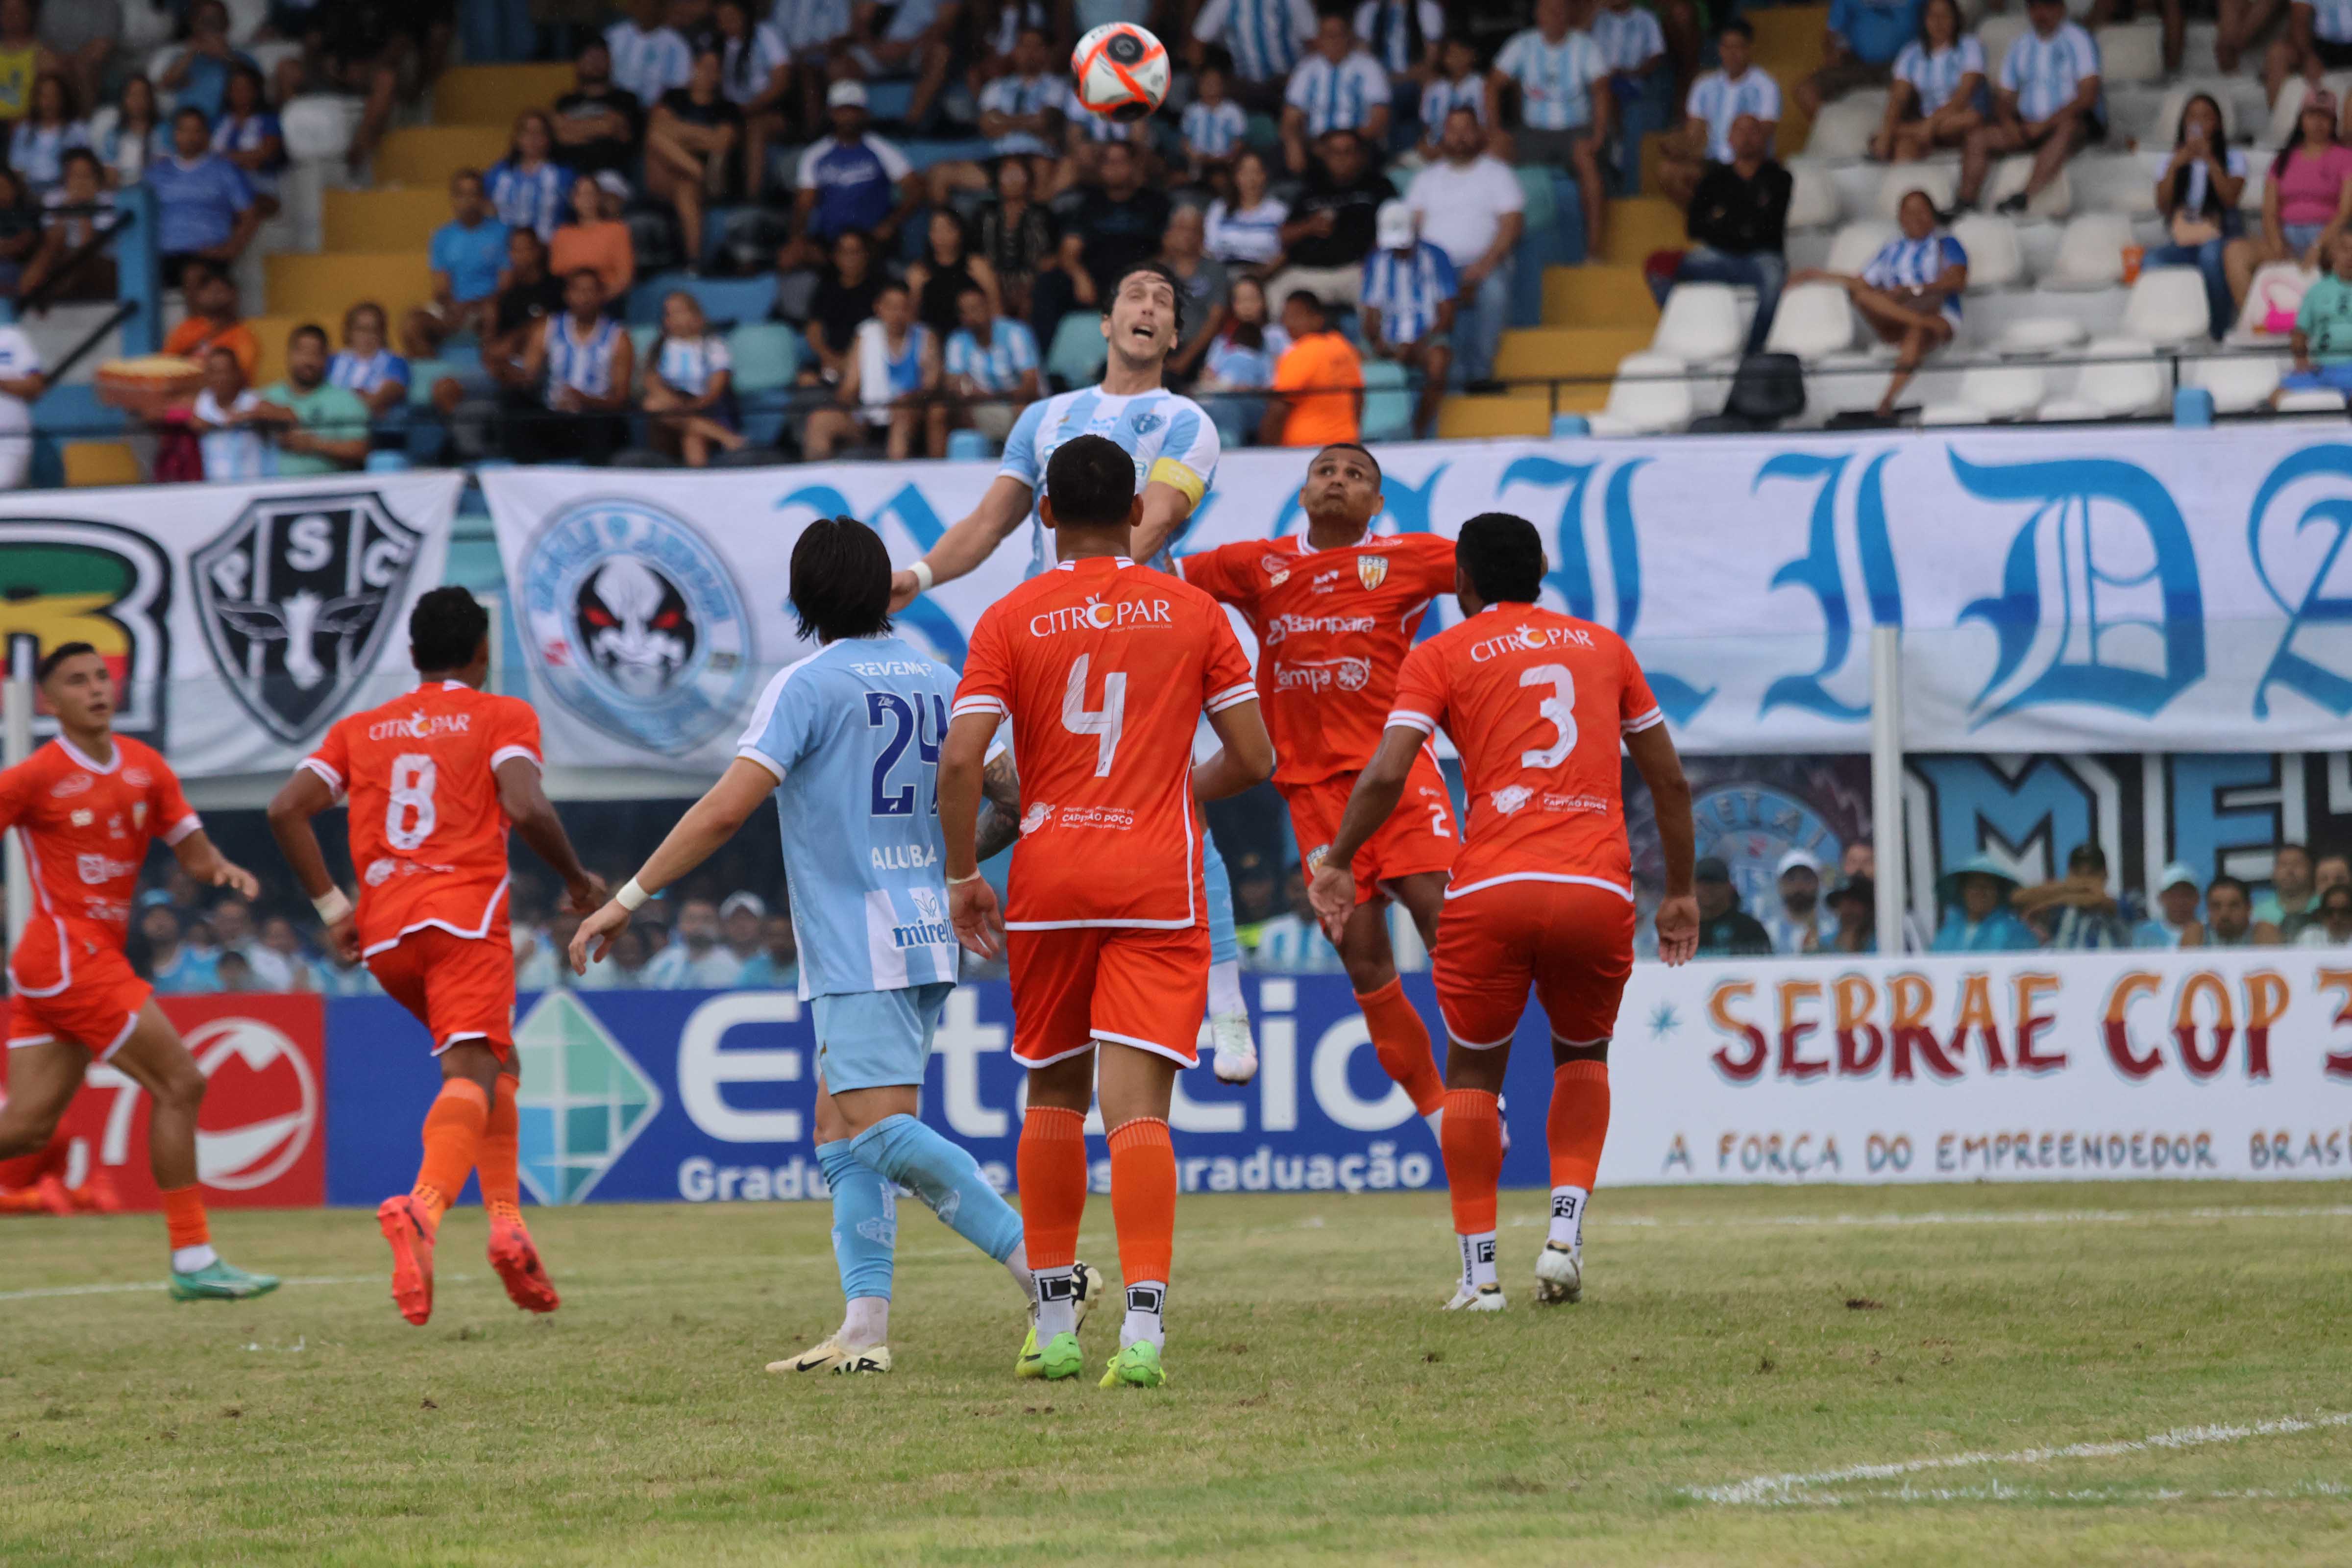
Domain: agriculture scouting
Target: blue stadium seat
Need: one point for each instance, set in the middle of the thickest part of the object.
(642, 339)
(423, 374)
(724, 300)
(923, 153)
(463, 355)
(1079, 351)
(766, 356)
(1388, 402)
(968, 445)
(73, 410)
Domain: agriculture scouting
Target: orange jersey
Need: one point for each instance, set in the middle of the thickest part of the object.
(86, 828)
(1332, 626)
(428, 835)
(1536, 702)
(1105, 668)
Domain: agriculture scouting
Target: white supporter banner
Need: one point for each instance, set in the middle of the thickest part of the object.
(1996, 1066)
(2144, 589)
(240, 620)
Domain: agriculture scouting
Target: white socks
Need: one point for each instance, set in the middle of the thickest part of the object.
(188, 1259)
(1568, 1217)
(866, 1324)
(1226, 989)
(1145, 1300)
(1025, 1282)
(1477, 1260)
(1057, 1304)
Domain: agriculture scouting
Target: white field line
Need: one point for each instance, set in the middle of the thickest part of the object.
(1977, 1216)
(126, 1290)
(2002, 1491)
(1801, 1489)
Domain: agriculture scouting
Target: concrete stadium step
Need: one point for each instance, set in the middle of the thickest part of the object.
(1786, 30)
(1597, 295)
(494, 95)
(1518, 414)
(429, 154)
(388, 218)
(1588, 352)
(321, 288)
(1640, 225)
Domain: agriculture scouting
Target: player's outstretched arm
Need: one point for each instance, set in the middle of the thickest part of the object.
(971, 903)
(707, 823)
(201, 859)
(1378, 789)
(298, 800)
(971, 540)
(524, 800)
(1653, 751)
(1165, 508)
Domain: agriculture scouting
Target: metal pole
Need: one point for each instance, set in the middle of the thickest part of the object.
(1886, 782)
(15, 745)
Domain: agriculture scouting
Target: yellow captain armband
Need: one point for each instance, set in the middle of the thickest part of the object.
(1168, 471)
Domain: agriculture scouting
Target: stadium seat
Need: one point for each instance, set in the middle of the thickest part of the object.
(2278, 289)
(1996, 34)
(2009, 177)
(1700, 323)
(1857, 242)
(90, 463)
(642, 338)
(2166, 306)
(1989, 393)
(1940, 181)
(1994, 260)
(2091, 252)
(320, 125)
(766, 356)
(1080, 351)
(2131, 52)
(726, 301)
(2113, 182)
(1651, 396)
(2240, 382)
(1845, 127)
(1814, 196)
(2165, 125)
(1814, 319)
(2120, 379)
(2311, 400)
(969, 446)
(2289, 107)
(1388, 402)
(491, 94)
(422, 374)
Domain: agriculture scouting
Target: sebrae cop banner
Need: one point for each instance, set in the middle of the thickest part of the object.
(241, 620)
(2139, 590)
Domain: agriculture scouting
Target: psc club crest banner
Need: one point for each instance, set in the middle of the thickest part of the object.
(241, 620)
(2140, 590)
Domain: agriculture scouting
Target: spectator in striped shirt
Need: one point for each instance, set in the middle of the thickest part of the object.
(2317, 40)
(1910, 293)
(1213, 126)
(1407, 309)
(649, 56)
(1021, 115)
(1562, 120)
(526, 187)
(1715, 103)
(1940, 80)
(2047, 101)
(227, 435)
(1264, 38)
(365, 366)
(1339, 87)
(1404, 36)
(1245, 229)
(1458, 83)
(1864, 37)
(1631, 41)
(991, 372)
(688, 389)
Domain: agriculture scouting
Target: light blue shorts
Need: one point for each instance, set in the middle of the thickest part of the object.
(873, 1040)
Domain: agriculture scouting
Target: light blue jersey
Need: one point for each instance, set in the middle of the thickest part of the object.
(852, 733)
(1168, 436)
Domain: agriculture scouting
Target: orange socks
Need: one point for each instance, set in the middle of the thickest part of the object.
(1401, 1041)
(1471, 1137)
(1577, 1127)
(1143, 1198)
(183, 1218)
(495, 1162)
(1052, 1171)
(453, 1138)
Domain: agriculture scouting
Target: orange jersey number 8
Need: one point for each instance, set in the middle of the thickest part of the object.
(412, 778)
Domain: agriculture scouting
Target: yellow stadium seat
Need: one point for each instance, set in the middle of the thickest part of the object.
(1590, 354)
(399, 217)
(1513, 414)
(271, 332)
(1597, 295)
(1640, 225)
(429, 154)
(494, 95)
(91, 463)
(321, 288)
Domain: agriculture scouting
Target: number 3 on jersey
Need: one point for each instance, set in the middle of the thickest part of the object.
(408, 816)
(1103, 724)
(1559, 708)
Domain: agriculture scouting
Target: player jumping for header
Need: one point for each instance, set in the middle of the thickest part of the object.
(433, 779)
(86, 806)
(1542, 896)
(1105, 668)
(847, 742)
(1173, 447)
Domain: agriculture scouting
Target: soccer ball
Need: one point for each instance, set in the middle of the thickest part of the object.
(1121, 71)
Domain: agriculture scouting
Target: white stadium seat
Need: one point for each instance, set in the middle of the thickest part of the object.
(1990, 391)
(2311, 400)
(2091, 252)
(1700, 323)
(2009, 176)
(1845, 127)
(2120, 379)
(2131, 51)
(1856, 243)
(2277, 288)
(2166, 306)
(1812, 196)
(2037, 335)
(2289, 107)
(1996, 34)
(320, 125)
(2240, 382)
(1651, 396)
(1940, 181)
(1814, 319)
(1994, 260)
(2114, 181)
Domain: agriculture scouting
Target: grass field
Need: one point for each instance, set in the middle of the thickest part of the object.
(1321, 1408)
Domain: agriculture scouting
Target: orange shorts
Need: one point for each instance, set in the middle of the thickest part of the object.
(1419, 835)
(1573, 944)
(93, 995)
(461, 988)
(1140, 987)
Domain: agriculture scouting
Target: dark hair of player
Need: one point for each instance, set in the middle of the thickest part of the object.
(841, 580)
(58, 656)
(1157, 270)
(1504, 556)
(444, 630)
(1091, 482)
(1354, 447)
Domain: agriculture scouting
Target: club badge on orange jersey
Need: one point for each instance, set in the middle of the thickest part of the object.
(1371, 571)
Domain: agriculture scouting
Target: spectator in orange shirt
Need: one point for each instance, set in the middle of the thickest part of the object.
(1318, 383)
(212, 320)
(596, 239)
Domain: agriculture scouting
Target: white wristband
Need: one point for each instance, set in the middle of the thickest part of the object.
(332, 905)
(959, 881)
(923, 577)
(631, 897)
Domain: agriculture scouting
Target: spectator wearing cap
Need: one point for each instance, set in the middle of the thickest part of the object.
(694, 958)
(1337, 87)
(1725, 930)
(1977, 917)
(596, 240)
(2175, 923)
(2331, 921)
(2077, 910)
(2230, 917)
(1739, 225)
(598, 124)
(851, 180)
(740, 915)
(1470, 206)
(1802, 926)
(1406, 308)
(2294, 894)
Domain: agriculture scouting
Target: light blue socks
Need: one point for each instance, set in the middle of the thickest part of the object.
(944, 1177)
(864, 1221)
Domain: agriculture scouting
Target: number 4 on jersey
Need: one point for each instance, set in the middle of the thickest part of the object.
(1103, 724)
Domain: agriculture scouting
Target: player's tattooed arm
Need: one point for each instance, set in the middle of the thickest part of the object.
(999, 824)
